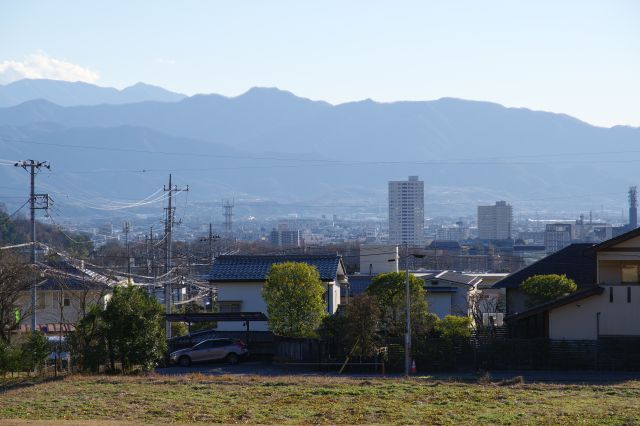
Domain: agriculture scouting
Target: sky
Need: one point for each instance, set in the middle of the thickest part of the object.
(581, 58)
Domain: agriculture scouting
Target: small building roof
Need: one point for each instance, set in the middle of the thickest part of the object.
(576, 261)
(454, 277)
(445, 245)
(243, 268)
(358, 284)
(70, 283)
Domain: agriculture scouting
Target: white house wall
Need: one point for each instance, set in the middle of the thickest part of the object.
(250, 294)
(578, 320)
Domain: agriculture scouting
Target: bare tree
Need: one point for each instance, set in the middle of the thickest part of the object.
(484, 303)
(14, 284)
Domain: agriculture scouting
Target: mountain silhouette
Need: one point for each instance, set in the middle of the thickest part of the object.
(275, 145)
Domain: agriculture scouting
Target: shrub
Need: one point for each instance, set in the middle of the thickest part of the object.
(545, 288)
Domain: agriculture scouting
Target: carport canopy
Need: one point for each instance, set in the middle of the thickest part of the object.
(217, 316)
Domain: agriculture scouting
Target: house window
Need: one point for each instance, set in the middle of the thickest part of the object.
(64, 300)
(229, 306)
(630, 274)
(610, 294)
(628, 294)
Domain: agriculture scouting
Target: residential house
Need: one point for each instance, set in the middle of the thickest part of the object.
(608, 307)
(64, 294)
(239, 279)
(459, 294)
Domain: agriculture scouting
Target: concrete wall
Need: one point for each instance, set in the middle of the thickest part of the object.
(374, 259)
(454, 303)
(439, 304)
(578, 321)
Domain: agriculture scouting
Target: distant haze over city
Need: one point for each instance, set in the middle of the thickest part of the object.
(271, 145)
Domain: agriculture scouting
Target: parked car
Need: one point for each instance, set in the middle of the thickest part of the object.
(211, 350)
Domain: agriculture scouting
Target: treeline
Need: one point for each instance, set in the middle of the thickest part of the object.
(17, 230)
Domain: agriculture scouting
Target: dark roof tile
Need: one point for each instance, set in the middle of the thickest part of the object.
(255, 268)
(576, 261)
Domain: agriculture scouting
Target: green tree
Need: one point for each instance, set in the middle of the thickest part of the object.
(545, 288)
(388, 291)
(295, 299)
(361, 328)
(454, 328)
(134, 328)
(87, 342)
(34, 351)
(15, 282)
(130, 331)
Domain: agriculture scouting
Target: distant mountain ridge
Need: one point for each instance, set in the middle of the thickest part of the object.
(66, 93)
(276, 145)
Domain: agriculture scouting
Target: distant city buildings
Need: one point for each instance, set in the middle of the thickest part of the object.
(495, 222)
(284, 237)
(558, 236)
(406, 212)
(457, 232)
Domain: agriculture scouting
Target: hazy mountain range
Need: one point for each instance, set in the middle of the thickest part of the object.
(272, 145)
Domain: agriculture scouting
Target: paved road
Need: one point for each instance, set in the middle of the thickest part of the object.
(244, 368)
(266, 369)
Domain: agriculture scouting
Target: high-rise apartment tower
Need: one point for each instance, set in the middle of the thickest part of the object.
(406, 211)
(494, 222)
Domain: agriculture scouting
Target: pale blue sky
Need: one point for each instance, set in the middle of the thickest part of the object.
(577, 57)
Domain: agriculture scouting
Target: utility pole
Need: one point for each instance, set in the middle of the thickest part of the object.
(210, 244)
(154, 270)
(38, 202)
(126, 227)
(168, 230)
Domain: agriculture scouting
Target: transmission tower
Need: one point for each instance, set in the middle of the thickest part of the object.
(37, 202)
(633, 207)
(228, 217)
(168, 230)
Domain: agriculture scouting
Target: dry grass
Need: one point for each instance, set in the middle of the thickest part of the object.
(330, 400)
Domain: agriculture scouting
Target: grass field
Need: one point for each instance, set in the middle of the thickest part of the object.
(298, 399)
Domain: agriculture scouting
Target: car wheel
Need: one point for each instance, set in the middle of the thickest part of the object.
(184, 361)
(233, 359)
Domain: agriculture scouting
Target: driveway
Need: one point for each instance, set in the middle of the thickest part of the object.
(259, 368)
(253, 368)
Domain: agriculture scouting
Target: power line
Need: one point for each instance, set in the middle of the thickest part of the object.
(506, 160)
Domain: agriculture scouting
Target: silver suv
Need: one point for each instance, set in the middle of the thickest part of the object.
(211, 350)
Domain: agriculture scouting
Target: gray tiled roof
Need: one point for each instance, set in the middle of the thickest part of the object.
(255, 268)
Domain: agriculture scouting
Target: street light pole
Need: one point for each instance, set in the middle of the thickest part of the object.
(407, 335)
(407, 340)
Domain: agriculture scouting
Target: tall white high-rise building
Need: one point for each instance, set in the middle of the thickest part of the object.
(494, 222)
(406, 211)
